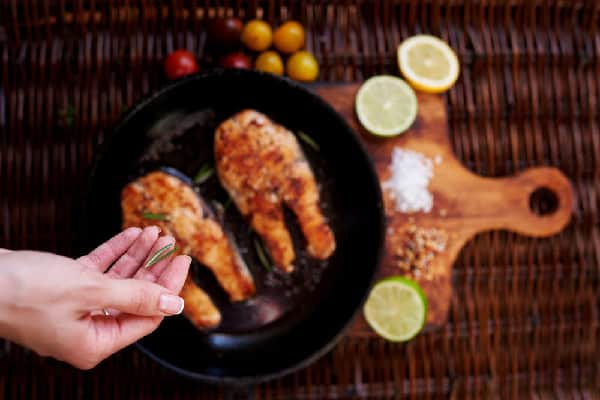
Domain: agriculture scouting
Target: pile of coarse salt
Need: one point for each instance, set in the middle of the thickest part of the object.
(411, 172)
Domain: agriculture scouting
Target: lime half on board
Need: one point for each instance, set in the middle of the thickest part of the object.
(396, 309)
(386, 105)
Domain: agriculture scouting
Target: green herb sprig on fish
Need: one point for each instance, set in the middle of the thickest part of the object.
(203, 174)
(309, 141)
(262, 255)
(155, 216)
(227, 203)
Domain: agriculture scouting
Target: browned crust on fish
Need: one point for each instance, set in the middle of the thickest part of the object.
(261, 165)
(196, 233)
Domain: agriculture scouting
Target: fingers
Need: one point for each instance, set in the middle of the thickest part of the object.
(151, 273)
(107, 253)
(134, 328)
(114, 334)
(140, 304)
(131, 261)
(139, 298)
(173, 277)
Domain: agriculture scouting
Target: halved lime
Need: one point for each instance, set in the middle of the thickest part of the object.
(396, 309)
(386, 105)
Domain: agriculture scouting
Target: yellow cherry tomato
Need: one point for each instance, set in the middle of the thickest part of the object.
(269, 61)
(289, 37)
(302, 66)
(257, 35)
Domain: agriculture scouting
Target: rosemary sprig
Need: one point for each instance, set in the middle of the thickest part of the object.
(160, 255)
(261, 255)
(227, 203)
(309, 141)
(156, 216)
(205, 172)
(219, 210)
(218, 206)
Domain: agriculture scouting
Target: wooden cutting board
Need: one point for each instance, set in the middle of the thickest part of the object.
(464, 203)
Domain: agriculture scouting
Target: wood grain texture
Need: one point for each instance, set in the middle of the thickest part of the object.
(464, 203)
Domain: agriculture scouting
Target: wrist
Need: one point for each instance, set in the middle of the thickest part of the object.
(7, 285)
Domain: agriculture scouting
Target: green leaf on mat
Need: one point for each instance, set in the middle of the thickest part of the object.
(67, 115)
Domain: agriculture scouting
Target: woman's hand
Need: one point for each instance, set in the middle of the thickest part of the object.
(55, 305)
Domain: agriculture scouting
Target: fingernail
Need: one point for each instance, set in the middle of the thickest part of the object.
(134, 231)
(169, 239)
(170, 304)
(153, 228)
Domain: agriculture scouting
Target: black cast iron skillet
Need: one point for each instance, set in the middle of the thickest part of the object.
(294, 318)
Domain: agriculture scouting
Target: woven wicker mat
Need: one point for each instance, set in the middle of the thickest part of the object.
(524, 318)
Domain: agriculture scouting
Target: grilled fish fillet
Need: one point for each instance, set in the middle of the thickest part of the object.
(261, 165)
(198, 307)
(197, 234)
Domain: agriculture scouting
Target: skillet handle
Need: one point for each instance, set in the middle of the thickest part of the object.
(239, 393)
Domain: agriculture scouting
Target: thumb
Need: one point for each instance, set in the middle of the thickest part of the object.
(138, 297)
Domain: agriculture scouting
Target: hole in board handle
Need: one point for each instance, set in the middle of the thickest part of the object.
(543, 201)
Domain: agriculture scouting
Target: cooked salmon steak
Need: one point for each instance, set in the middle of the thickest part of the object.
(261, 165)
(199, 308)
(197, 233)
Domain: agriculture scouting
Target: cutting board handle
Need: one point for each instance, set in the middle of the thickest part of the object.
(514, 204)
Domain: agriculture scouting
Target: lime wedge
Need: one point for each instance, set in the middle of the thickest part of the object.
(386, 105)
(396, 309)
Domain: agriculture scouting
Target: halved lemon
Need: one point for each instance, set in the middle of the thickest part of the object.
(428, 63)
(386, 105)
(396, 309)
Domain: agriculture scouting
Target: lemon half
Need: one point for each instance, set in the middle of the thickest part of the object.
(428, 63)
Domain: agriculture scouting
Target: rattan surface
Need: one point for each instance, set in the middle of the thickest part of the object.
(524, 317)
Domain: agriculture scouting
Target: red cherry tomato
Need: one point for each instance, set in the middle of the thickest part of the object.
(180, 63)
(224, 32)
(237, 60)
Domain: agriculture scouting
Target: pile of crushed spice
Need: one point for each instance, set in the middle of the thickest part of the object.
(417, 248)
